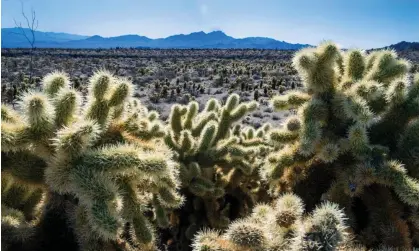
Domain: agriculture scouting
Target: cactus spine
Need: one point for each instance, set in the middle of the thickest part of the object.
(216, 160)
(280, 227)
(103, 159)
(356, 114)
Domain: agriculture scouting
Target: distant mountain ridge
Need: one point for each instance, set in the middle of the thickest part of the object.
(12, 38)
(404, 46)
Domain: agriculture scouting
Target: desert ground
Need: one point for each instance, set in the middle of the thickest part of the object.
(164, 77)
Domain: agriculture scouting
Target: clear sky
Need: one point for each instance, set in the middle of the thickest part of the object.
(351, 23)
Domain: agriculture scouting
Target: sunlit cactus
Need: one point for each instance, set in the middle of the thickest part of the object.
(217, 158)
(104, 159)
(358, 119)
(288, 210)
(325, 228)
(246, 235)
(100, 171)
(282, 226)
(209, 240)
(54, 82)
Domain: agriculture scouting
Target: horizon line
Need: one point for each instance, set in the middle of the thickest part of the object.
(201, 31)
(215, 30)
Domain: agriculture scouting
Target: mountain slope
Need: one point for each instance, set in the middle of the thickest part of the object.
(215, 39)
(407, 50)
(404, 46)
(111, 42)
(14, 37)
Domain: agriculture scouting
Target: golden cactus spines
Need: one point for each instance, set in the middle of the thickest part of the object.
(97, 161)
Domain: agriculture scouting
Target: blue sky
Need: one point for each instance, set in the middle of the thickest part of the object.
(351, 23)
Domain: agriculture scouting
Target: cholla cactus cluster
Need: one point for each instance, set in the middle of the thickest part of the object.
(354, 141)
(216, 159)
(101, 172)
(280, 227)
(101, 159)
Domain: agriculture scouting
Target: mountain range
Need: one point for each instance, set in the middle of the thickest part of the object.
(13, 38)
(404, 46)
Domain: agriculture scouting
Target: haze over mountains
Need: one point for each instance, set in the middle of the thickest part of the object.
(13, 38)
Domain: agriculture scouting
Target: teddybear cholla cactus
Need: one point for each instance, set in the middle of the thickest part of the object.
(102, 159)
(280, 227)
(215, 160)
(356, 138)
